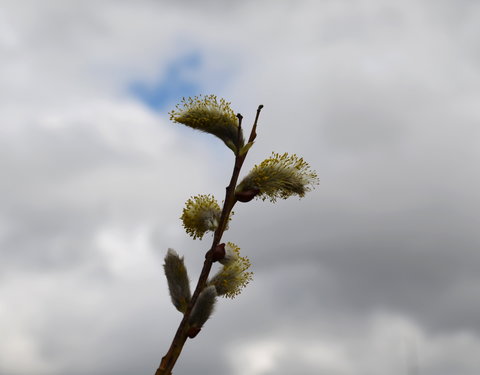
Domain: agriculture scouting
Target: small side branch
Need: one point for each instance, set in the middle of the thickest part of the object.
(253, 133)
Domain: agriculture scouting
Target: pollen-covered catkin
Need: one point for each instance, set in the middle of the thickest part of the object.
(200, 215)
(279, 176)
(233, 276)
(210, 115)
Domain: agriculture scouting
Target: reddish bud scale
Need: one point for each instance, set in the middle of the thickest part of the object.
(193, 331)
(246, 196)
(218, 252)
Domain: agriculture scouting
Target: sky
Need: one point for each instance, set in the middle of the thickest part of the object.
(375, 272)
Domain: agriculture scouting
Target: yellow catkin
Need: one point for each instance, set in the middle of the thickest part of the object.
(211, 115)
(233, 276)
(280, 176)
(200, 215)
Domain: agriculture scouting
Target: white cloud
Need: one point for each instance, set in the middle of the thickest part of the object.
(380, 98)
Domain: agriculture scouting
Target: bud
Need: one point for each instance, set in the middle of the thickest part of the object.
(246, 196)
(218, 253)
(193, 331)
(177, 278)
(203, 308)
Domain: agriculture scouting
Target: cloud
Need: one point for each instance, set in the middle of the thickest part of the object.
(373, 272)
(179, 81)
(395, 346)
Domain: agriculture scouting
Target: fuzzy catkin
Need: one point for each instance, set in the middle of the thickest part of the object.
(177, 278)
(204, 307)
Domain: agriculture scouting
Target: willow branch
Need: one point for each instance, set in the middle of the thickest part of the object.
(169, 360)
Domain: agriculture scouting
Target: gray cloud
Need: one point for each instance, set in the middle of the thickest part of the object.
(380, 260)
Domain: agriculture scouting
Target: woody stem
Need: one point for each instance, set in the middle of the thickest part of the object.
(169, 360)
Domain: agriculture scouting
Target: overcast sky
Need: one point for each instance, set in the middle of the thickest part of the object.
(376, 272)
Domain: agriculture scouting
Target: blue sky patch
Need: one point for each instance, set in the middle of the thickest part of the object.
(177, 81)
